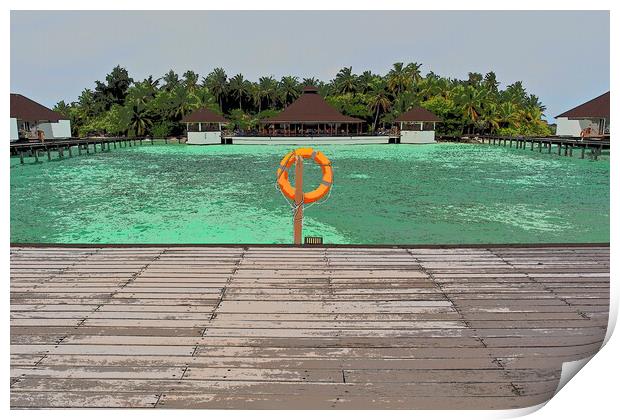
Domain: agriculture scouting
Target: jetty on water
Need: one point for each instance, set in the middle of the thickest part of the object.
(563, 145)
(473, 327)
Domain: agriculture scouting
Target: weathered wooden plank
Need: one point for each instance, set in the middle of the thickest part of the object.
(82, 400)
(286, 328)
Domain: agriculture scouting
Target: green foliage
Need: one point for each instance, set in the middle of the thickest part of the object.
(239, 119)
(113, 122)
(162, 129)
(475, 105)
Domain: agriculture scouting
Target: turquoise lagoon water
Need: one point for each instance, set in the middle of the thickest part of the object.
(383, 194)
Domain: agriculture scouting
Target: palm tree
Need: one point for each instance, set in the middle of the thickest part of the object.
(413, 72)
(183, 103)
(490, 82)
(138, 120)
(365, 81)
(239, 88)
(141, 93)
(310, 81)
(216, 81)
(171, 80)
(471, 103)
(515, 93)
(152, 84)
(269, 87)
(379, 102)
(257, 94)
(190, 80)
(508, 114)
(474, 79)
(346, 81)
(289, 89)
(62, 108)
(398, 79)
(491, 118)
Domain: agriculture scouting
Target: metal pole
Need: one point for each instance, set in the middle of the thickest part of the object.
(299, 200)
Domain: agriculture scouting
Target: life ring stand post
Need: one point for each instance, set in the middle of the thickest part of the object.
(298, 215)
(296, 194)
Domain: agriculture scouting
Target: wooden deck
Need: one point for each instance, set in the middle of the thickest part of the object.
(274, 327)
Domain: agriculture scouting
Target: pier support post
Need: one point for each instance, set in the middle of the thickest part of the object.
(61, 154)
(570, 150)
(298, 214)
(583, 152)
(539, 146)
(79, 149)
(70, 152)
(36, 156)
(140, 142)
(549, 148)
(21, 157)
(532, 145)
(511, 143)
(49, 155)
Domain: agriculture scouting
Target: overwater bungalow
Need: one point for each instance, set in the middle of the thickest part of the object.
(310, 119)
(590, 119)
(32, 121)
(417, 126)
(204, 127)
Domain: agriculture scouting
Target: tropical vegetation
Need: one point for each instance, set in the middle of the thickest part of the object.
(155, 106)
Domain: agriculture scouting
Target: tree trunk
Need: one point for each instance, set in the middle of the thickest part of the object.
(374, 126)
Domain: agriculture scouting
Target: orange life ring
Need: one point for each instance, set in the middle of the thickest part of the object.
(307, 153)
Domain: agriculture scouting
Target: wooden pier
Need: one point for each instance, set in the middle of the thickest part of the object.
(301, 327)
(62, 149)
(566, 146)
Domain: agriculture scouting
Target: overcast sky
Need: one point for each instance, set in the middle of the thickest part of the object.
(563, 57)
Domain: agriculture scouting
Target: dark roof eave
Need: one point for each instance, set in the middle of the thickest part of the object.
(598, 105)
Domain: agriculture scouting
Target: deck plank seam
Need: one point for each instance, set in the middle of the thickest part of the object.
(76, 260)
(229, 279)
(437, 284)
(164, 395)
(63, 270)
(86, 317)
(543, 285)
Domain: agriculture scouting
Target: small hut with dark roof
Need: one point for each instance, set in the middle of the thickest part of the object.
(588, 119)
(31, 120)
(417, 126)
(311, 115)
(204, 127)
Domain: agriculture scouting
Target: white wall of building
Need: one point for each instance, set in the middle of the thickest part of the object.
(204, 137)
(14, 130)
(59, 130)
(566, 127)
(417, 137)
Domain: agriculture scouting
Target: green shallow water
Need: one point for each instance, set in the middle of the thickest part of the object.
(383, 194)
